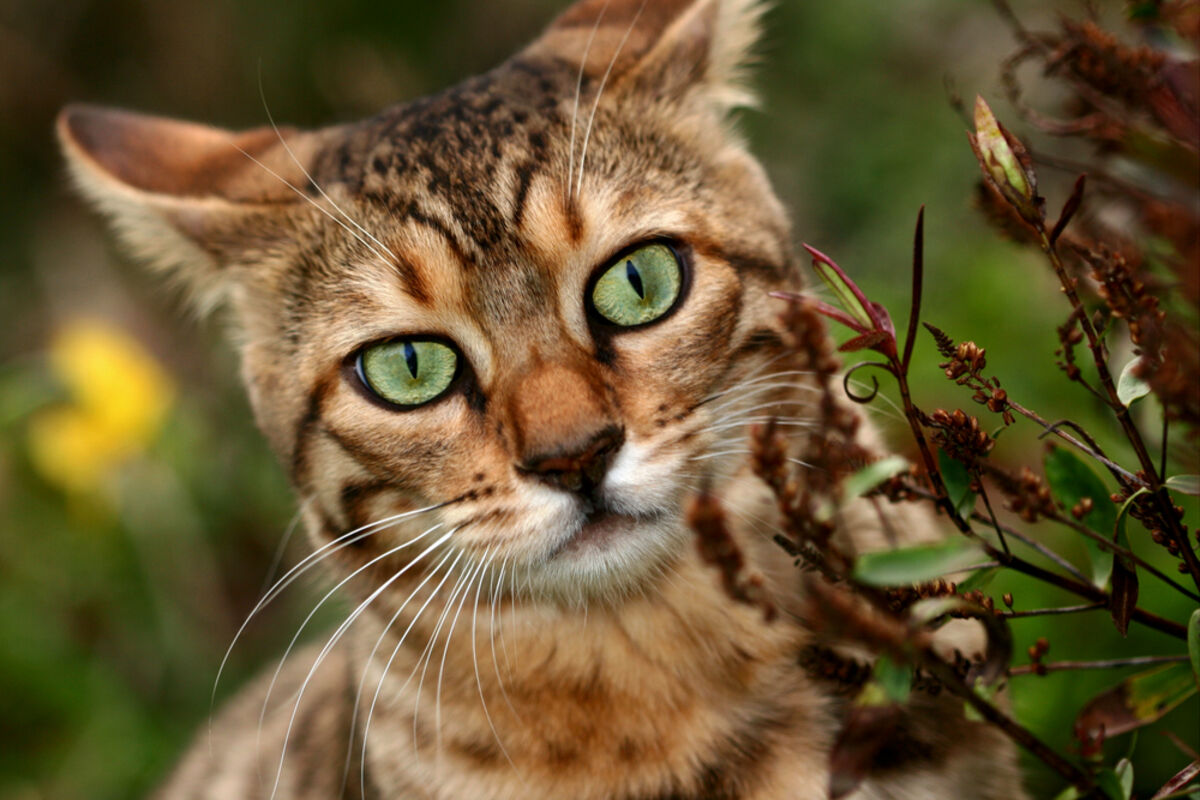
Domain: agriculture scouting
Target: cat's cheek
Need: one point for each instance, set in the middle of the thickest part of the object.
(522, 522)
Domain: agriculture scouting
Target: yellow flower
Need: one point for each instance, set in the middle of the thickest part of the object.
(120, 398)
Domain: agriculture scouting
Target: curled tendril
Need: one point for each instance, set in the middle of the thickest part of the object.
(861, 398)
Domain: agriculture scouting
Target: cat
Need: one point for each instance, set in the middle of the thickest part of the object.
(498, 337)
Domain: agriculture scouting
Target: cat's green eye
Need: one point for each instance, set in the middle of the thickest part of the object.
(640, 287)
(408, 372)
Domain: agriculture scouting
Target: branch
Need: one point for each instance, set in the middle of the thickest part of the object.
(1047, 612)
(1112, 663)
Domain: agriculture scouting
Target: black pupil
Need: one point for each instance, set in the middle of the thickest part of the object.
(635, 279)
(410, 358)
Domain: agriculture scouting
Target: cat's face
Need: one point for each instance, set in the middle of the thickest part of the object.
(528, 305)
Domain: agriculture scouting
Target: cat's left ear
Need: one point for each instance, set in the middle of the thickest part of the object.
(667, 48)
(192, 201)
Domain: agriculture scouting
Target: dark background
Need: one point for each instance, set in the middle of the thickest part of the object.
(119, 593)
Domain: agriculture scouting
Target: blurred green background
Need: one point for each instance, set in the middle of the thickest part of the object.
(134, 539)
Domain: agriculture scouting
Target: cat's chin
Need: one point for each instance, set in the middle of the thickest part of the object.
(600, 530)
(610, 555)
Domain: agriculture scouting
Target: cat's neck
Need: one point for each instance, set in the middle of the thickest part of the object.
(653, 683)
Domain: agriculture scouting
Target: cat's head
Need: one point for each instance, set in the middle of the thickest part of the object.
(535, 303)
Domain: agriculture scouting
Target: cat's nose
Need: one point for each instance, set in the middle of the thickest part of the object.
(579, 468)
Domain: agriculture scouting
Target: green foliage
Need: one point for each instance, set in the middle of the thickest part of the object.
(114, 618)
(908, 565)
(1073, 482)
(872, 475)
(895, 679)
(958, 482)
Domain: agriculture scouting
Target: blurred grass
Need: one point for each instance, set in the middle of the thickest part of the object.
(115, 608)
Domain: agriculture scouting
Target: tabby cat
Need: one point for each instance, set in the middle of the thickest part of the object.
(498, 337)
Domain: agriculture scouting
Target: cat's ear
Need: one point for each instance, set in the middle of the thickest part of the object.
(665, 47)
(188, 199)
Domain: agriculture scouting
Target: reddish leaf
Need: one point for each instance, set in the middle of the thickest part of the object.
(867, 340)
(1069, 209)
(847, 292)
(1124, 595)
(1138, 700)
(838, 315)
(1179, 782)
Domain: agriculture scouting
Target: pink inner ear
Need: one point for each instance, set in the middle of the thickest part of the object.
(165, 156)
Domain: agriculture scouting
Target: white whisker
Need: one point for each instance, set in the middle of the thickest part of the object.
(382, 256)
(437, 694)
(299, 569)
(719, 453)
(782, 422)
(503, 645)
(427, 653)
(578, 89)
(478, 681)
(387, 667)
(371, 658)
(337, 635)
(600, 92)
(263, 95)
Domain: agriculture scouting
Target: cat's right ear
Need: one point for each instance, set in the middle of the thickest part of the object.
(194, 201)
(674, 49)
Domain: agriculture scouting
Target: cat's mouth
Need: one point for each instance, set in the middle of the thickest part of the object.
(602, 528)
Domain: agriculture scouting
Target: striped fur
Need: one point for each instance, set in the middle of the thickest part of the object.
(567, 653)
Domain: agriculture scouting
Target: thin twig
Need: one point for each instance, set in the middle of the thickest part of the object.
(1094, 173)
(1118, 471)
(1049, 612)
(1162, 469)
(1013, 532)
(1022, 736)
(1158, 494)
(1124, 552)
(1038, 546)
(1081, 588)
(991, 514)
(1183, 746)
(1112, 663)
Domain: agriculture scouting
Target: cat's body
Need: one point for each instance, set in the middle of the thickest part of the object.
(577, 254)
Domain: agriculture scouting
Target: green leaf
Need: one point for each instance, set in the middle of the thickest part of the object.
(930, 608)
(1071, 480)
(998, 155)
(1193, 641)
(1184, 484)
(1124, 770)
(1137, 701)
(1069, 793)
(896, 679)
(1131, 388)
(979, 579)
(1110, 784)
(871, 476)
(915, 564)
(958, 483)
